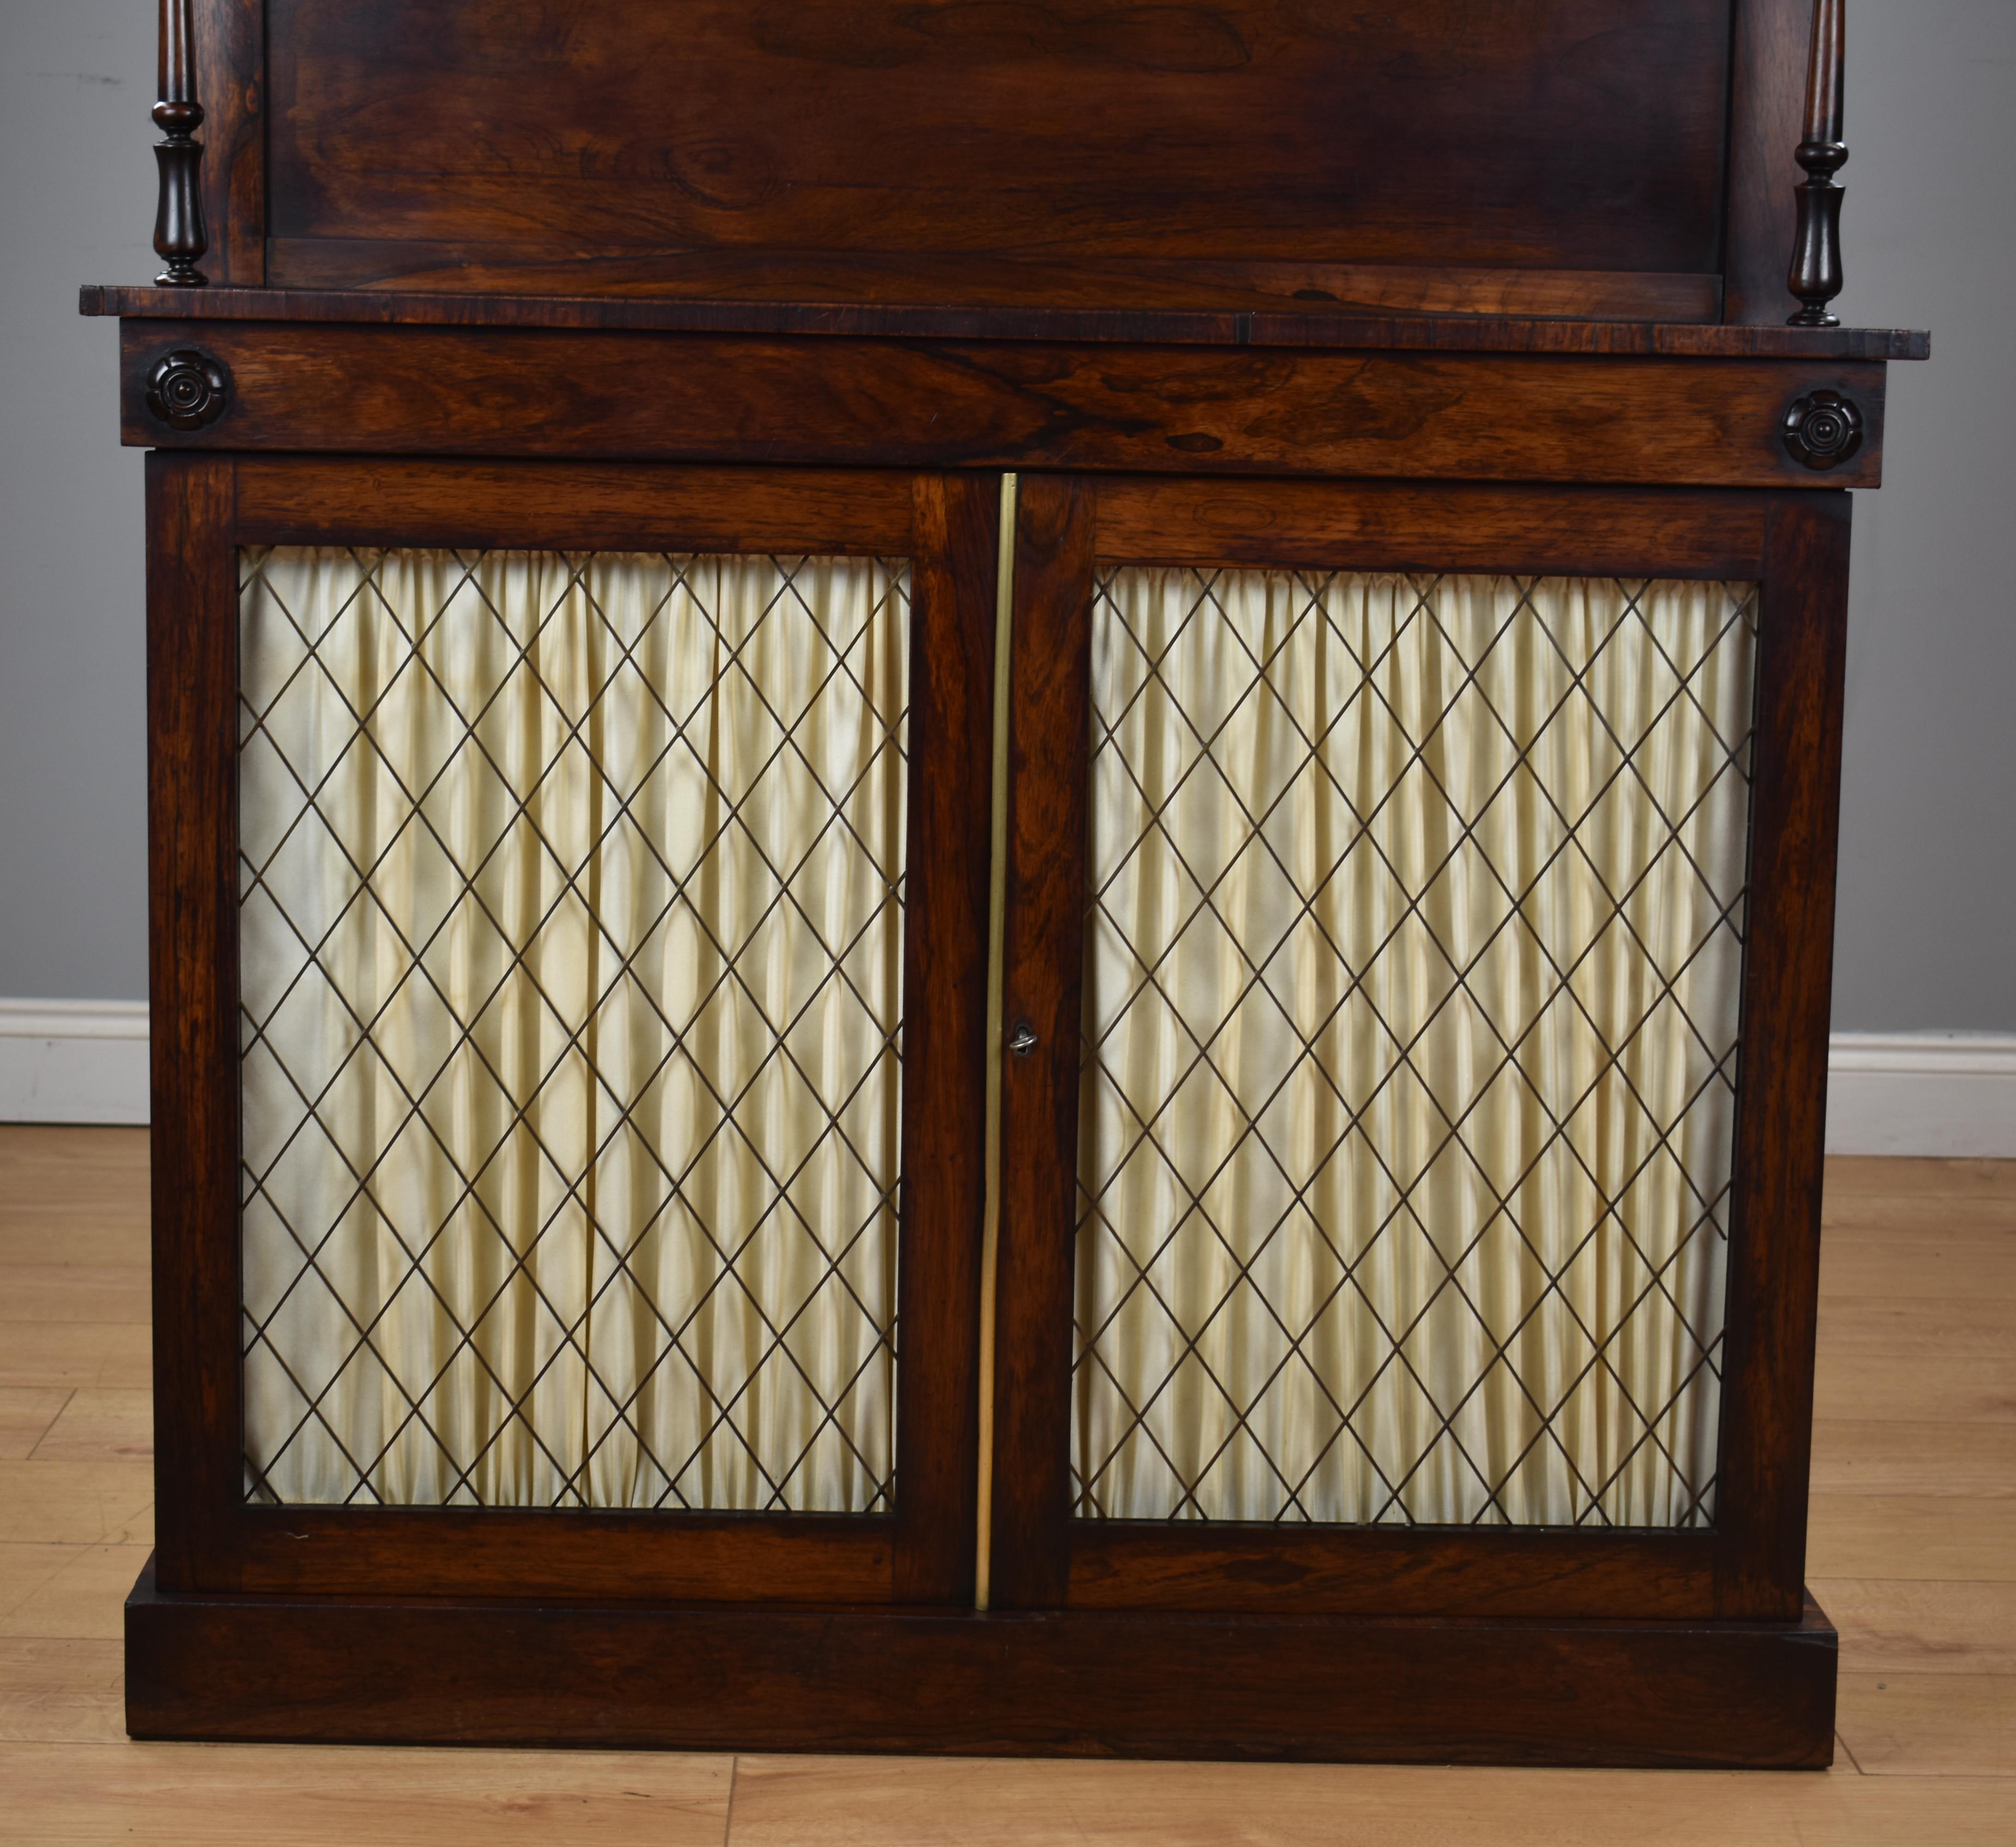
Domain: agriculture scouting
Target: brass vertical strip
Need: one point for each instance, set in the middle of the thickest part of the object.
(997, 927)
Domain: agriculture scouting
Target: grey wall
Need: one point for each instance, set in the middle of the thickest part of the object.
(1928, 796)
(76, 78)
(1929, 867)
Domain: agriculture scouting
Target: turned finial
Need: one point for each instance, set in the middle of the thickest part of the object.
(1815, 277)
(179, 236)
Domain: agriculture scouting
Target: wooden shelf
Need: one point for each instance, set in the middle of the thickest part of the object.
(1335, 329)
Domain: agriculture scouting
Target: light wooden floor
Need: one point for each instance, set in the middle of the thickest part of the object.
(1913, 1554)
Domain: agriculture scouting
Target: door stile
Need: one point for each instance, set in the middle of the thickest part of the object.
(192, 885)
(954, 551)
(1766, 1441)
(997, 903)
(1043, 960)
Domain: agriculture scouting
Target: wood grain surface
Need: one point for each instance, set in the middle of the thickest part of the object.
(1043, 988)
(1775, 1187)
(1073, 1684)
(1767, 99)
(757, 398)
(230, 65)
(672, 143)
(192, 986)
(1580, 330)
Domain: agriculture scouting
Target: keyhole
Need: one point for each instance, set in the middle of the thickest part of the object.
(1022, 1041)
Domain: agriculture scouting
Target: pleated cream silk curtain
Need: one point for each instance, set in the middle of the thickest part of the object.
(571, 946)
(1412, 982)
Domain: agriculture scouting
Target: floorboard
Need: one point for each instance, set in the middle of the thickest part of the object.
(857, 1802)
(1930, 1725)
(1909, 1625)
(1935, 1386)
(65, 1355)
(1863, 1535)
(103, 1424)
(26, 1413)
(221, 1795)
(1873, 1456)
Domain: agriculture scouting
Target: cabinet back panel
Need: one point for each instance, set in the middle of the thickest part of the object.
(883, 149)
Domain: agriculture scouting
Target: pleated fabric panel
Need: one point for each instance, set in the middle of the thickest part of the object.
(571, 948)
(1412, 967)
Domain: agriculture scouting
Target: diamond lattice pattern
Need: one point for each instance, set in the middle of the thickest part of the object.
(1412, 965)
(571, 946)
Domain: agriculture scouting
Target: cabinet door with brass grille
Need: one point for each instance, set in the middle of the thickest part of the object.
(1379, 913)
(608, 849)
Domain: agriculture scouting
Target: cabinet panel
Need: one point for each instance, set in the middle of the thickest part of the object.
(1404, 1114)
(600, 964)
(1438, 412)
(871, 149)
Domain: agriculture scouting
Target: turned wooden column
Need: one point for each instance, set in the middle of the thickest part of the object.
(179, 236)
(1815, 277)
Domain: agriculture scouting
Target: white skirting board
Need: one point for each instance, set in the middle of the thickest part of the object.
(73, 1061)
(1922, 1093)
(1888, 1093)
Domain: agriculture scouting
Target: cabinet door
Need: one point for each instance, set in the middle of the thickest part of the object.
(570, 890)
(1416, 987)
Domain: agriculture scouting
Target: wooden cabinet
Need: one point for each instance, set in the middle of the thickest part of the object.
(312, 677)
(967, 939)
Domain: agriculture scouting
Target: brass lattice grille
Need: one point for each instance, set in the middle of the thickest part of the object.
(1413, 963)
(571, 944)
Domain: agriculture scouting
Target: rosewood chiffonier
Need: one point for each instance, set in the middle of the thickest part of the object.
(992, 852)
